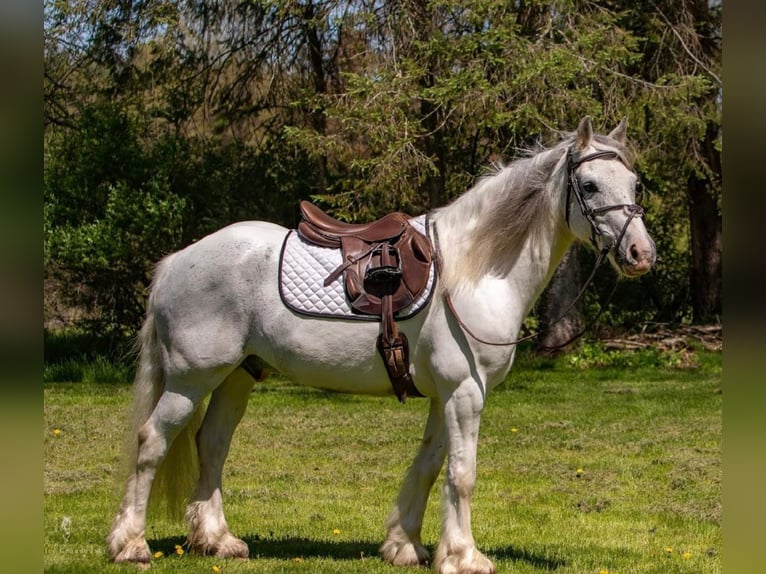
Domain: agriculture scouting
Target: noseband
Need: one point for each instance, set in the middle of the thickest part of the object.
(573, 187)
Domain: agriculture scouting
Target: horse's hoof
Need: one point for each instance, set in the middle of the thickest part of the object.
(401, 553)
(136, 551)
(469, 561)
(232, 547)
(225, 546)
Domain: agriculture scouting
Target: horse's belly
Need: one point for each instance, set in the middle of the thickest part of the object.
(342, 381)
(331, 354)
(349, 369)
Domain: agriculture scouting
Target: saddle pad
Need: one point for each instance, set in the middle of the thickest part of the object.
(303, 268)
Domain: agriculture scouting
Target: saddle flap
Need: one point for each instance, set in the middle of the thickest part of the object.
(405, 264)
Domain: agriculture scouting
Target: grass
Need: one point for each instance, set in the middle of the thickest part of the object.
(76, 356)
(584, 466)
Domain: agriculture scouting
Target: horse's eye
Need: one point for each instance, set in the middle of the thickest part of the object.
(589, 187)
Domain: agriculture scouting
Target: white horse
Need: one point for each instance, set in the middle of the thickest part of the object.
(215, 305)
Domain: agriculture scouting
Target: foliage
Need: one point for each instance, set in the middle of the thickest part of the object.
(116, 202)
(100, 370)
(109, 215)
(593, 355)
(165, 121)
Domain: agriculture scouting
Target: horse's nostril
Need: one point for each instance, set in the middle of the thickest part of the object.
(635, 254)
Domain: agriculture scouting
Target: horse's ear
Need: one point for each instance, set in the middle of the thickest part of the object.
(584, 133)
(619, 132)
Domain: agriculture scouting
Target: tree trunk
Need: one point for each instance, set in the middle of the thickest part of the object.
(434, 144)
(706, 247)
(318, 118)
(431, 116)
(563, 288)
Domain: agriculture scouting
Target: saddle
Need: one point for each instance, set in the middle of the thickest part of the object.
(386, 266)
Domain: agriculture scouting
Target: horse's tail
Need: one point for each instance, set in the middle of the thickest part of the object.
(179, 471)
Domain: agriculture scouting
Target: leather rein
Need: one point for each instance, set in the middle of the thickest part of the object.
(573, 187)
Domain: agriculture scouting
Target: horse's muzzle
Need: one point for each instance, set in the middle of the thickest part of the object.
(638, 259)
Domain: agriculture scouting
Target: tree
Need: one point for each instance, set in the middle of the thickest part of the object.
(210, 112)
(109, 215)
(679, 114)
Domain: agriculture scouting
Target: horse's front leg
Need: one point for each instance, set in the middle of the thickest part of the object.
(403, 545)
(457, 553)
(208, 531)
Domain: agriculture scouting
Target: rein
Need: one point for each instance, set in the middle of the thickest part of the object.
(573, 186)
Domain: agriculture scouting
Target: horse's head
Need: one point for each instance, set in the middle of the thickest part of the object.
(601, 204)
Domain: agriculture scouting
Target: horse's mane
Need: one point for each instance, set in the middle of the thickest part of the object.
(506, 208)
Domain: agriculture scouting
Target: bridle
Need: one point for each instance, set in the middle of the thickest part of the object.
(589, 213)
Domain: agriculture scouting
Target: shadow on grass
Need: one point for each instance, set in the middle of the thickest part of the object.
(520, 555)
(288, 548)
(284, 548)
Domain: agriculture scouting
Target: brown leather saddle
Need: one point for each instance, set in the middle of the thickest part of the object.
(386, 266)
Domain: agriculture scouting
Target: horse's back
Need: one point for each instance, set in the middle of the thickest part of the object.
(229, 247)
(218, 263)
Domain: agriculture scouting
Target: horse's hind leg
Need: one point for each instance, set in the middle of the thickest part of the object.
(208, 531)
(171, 414)
(403, 546)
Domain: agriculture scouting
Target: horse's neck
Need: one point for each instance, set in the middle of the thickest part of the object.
(528, 270)
(527, 266)
(534, 268)
(500, 303)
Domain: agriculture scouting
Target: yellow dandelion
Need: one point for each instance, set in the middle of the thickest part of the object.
(179, 550)
(57, 432)
(514, 429)
(298, 559)
(580, 472)
(686, 555)
(603, 571)
(668, 550)
(158, 554)
(217, 569)
(336, 531)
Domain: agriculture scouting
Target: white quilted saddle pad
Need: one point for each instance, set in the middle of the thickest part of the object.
(303, 268)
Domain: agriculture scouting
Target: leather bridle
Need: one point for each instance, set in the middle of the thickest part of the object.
(589, 213)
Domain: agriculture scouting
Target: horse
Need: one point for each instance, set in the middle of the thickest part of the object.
(215, 324)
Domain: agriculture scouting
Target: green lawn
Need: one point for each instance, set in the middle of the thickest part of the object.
(594, 470)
